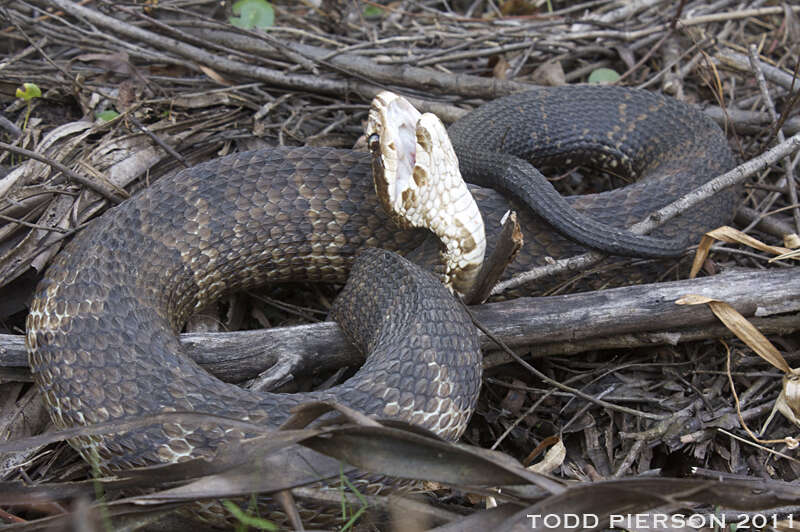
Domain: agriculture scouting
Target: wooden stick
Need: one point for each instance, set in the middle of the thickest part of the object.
(631, 316)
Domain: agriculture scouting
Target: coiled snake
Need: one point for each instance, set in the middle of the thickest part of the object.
(102, 330)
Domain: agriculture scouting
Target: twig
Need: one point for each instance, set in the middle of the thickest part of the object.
(620, 318)
(748, 121)
(212, 61)
(654, 79)
(63, 169)
(10, 126)
(742, 62)
(645, 57)
(509, 241)
(410, 76)
(31, 225)
(552, 382)
(463, 84)
(155, 138)
(295, 58)
(770, 105)
(677, 16)
(745, 216)
(737, 175)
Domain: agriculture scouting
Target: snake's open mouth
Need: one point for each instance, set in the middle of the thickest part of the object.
(417, 178)
(395, 120)
(403, 114)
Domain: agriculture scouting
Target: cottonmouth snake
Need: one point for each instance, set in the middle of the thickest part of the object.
(102, 329)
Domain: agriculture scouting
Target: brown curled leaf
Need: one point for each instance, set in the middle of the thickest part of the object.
(788, 402)
(742, 328)
(731, 236)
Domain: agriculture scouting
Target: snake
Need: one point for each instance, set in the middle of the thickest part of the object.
(103, 327)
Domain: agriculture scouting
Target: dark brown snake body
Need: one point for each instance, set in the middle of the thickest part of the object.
(103, 327)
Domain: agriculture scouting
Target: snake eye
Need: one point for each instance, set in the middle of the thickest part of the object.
(374, 142)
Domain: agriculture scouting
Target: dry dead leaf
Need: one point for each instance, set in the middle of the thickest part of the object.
(742, 328)
(553, 459)
(515, 397)
(791, 24)
(545, 443)
(213, 74)
(791, 240)
(790, 255)
(501, 68)
(518, 8)
(787, 525)
(549, 73)
(788, 402)
(731, 236)
(202, 100)
(118, 62)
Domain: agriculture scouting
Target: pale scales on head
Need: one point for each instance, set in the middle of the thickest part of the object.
(421, 184)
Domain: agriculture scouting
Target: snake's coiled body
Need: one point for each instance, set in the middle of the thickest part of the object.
(662, 147)
(103, 327)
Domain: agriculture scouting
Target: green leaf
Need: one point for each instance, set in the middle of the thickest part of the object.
(107, 115)
(247, 519)
(603, 75)
(253, 14)
(29, 91)
(344, 481)
(372, 11)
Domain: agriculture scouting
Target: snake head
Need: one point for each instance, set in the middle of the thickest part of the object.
(419, 184)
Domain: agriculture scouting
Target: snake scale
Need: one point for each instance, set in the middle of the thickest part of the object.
(102, 332)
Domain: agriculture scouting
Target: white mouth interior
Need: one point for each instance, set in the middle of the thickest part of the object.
(401, 123)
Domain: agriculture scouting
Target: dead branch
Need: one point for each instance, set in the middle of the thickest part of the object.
(623, 317)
